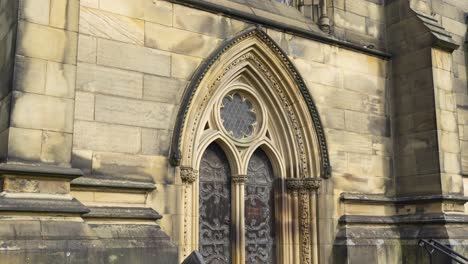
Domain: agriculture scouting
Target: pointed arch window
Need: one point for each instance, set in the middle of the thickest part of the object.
(249, 131)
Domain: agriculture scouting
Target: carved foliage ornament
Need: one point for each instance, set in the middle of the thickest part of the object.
(198, 77)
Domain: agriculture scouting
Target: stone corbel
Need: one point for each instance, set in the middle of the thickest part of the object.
(188, 174)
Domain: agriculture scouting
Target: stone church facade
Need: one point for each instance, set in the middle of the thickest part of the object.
(253, 131)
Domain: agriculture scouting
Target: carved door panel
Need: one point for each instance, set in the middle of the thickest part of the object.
(215, 207)
(259, 211)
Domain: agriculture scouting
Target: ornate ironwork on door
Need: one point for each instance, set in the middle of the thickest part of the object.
(259, 211)
(215, 207)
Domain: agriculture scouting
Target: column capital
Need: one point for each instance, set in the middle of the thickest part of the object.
(239, 178)
(297, 184)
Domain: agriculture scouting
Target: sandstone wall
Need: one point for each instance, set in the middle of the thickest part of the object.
(44, 90)
(359, 21)
(136, 58)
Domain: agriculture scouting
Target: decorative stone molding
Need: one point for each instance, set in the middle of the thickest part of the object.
(297, 184)
(188, 174)
(312, 183)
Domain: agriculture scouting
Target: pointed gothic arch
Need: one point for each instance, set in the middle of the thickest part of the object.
(250, 73)
(251, 41)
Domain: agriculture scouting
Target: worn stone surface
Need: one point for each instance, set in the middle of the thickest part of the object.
(134, 58)
(46, 43)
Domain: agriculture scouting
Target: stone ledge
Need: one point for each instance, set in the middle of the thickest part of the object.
(41, 205)
(306, 31)
(441, 38)
(381, 199)
(123, 213)
(405, 219)
(90, 182)
(40, 170)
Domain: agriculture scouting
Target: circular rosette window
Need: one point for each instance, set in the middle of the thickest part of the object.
(239, 115)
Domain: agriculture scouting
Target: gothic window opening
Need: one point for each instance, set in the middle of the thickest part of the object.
(259, 211)
(215, 206)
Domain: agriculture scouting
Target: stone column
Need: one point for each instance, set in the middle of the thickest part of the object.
(305, 226)
(190, 229)
(237, 216)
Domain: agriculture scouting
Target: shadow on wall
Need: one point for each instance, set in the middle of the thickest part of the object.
(465, 47)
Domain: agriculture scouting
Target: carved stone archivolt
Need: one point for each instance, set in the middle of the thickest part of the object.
(249, 99)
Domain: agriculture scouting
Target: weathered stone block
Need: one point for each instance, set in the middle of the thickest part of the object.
(364, 83)
(350, 21)
(87, 48)
(365, 123)
(56, 147)
(155, 11)
(450, 163)
(206, 23)
(443, 79)
(332, 117)
(36, 11)
(441, 59)
(46, 43)
(106, 137)
(308, 50)
(362, 63)
(179, 41)
(366, 9)
(133, 57)
(131, 167)
(84, 106)
(161, 89)
(454, 26)
(184, 67)
(166, 197)
(339, 161)
(320, 73)
(30, 74)
(134, 112)
(349, 142)
(447, 121)
(449, 142)
(110, 26)
(99, 79)
(42, 112)
(369, 165)
(338, 98)
(155, 142)
(60, 80)
(24, 144)
(65, 14)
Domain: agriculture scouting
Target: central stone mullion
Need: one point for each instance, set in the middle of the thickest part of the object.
(238, 215)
